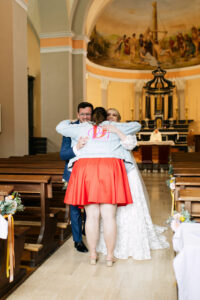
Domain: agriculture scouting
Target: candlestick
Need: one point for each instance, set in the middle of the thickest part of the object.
(132, 114)
(186, 115)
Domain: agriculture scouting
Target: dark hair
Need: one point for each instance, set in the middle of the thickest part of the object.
(99, 115)
(84, 105)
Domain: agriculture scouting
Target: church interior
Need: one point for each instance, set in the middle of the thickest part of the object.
(140, 58)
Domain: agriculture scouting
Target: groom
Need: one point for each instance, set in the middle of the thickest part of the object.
(84, 114)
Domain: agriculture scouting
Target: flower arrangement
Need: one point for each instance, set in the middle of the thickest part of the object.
(170, 172)
(11, 204)
(179, 217)
(65, 184)
(171, 183)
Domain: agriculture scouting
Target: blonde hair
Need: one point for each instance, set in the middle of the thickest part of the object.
(117, 113)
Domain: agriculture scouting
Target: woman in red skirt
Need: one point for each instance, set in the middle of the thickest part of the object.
(99, 180)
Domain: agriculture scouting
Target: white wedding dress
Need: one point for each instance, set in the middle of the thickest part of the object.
(136, 234)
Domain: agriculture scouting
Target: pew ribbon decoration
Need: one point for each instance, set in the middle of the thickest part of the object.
(9, 206)
(178, 218)
(10, 261)
(171, 185)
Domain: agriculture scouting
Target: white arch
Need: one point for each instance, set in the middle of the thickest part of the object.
(94, 12)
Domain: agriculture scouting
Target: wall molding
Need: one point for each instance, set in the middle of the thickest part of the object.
(61, 34)
(56, 49)
(79, 52)
(23, 4)
(124, 75)
(63, 49)
(101, 77)
(81, 38)
(104, 84)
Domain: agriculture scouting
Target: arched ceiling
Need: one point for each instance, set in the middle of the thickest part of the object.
(128, 16)
(49, 16)
(94, 12)
(65, 15)
(113, 19)
(165, 32)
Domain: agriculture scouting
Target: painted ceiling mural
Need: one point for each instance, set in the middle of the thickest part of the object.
(132, 34)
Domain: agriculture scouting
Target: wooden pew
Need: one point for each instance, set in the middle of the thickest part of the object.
(55, 173)
(45, 164)
(19, 235)
(185, 157)
(185, 183)
(40, 221)
(191, 200)
(186, 169)
(183, 166)
(5, 190)
(186, 172)
(48, 156)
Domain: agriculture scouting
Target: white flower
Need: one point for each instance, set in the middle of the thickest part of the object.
(9, 198)
(172, 185)
(177, 216)
(175, 225)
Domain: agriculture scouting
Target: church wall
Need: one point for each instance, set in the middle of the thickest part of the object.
(193, 102)
(13, 79)
(94, 91)
(34, 70)
(120, 95)
(55, 90)
(20, 79)
(6, 80)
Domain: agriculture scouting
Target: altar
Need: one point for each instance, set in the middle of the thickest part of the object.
(166, 135)
(155, 155)
(160, 106)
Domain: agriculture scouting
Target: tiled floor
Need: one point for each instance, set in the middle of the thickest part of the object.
(68, 275)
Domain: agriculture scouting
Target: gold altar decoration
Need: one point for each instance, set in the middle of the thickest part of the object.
(158, 88)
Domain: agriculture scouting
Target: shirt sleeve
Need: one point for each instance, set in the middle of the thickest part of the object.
(130, 142)
(128, 128)
(77, 153)
(67, 129)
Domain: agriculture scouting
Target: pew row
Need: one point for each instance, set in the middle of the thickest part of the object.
(42, 225)
(186, 170)
(19, 238)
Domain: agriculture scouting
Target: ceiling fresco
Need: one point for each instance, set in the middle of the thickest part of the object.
(138, 35)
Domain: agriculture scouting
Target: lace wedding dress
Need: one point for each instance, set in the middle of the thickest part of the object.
(136, 234)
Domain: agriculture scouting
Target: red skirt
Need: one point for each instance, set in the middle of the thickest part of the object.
(98, 181)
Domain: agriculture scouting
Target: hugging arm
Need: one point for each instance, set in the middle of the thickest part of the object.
(67, 129)
(129, 142)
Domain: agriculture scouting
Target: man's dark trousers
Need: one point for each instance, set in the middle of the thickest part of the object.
(66, 153)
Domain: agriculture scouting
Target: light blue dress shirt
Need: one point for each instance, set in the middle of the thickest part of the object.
(101, 143)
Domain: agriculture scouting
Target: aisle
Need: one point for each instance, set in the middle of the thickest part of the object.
(68, 275)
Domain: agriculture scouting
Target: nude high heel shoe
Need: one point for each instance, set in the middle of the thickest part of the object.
(110, 262)
(93, 260)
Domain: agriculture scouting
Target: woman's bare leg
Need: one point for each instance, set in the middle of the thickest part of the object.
(92, 227)
(108, 214)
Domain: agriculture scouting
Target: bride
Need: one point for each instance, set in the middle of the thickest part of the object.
(136, 234)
